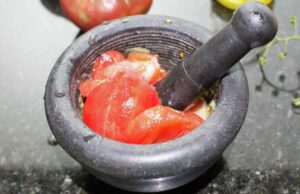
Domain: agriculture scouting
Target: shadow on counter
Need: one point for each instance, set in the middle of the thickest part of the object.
(92, 185)
(53, 6)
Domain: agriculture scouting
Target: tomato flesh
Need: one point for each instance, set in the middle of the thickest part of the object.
(160, 124)
(143, 64)
(122, 103)
(112, 105)
(105, 60)
(98, 76)
(108, 64)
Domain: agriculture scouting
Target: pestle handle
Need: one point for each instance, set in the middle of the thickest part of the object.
(251, 26)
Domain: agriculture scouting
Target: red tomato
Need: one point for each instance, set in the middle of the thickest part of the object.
(107, 65)
(105, 60)
(121, 103)
(98, 75)
(160, 124)
(89, 13)
(139, 6)
(87, 86)
(196, 105)
(154, 73)
(158, 75)
(142, 63)
(112, 105)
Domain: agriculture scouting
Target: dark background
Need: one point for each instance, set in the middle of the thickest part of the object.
(264, 158)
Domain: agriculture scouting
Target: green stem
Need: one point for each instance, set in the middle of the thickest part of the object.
(267, 48)
(296, 37)
(286, 42)
(296, 28)
(282, 39)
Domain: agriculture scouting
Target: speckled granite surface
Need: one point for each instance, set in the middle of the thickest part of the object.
(264, 158)
(215, 181)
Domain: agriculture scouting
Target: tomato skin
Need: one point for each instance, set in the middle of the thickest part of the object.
(87, 14)
(160, 124)
(112, 105)
(139, 6)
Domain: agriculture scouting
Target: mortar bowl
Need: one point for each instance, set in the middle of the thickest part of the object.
(153, 167)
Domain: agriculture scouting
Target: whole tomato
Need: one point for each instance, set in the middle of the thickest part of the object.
(87, 14)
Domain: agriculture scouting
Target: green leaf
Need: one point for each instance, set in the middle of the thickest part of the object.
(262, 60)
(282, 55)
(276, 39)
(296, 102)
(168, 21)
(293, 20)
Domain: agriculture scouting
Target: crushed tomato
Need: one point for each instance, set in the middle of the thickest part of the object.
(122, 103)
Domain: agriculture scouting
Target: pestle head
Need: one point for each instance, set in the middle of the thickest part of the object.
(252, 25)
(255, 24)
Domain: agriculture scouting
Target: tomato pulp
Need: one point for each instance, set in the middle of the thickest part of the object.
(122, 103)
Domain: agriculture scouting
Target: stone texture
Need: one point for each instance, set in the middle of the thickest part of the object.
(264, 158)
